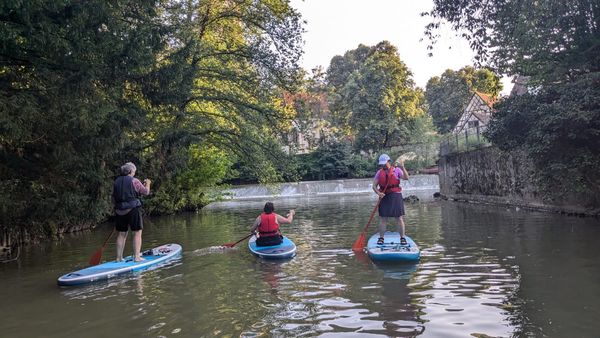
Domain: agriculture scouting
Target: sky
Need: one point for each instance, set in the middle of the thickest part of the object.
(336, 26)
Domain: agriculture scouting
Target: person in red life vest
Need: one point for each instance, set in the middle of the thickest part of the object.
(267, 225)
(386, 184)
(127, 191)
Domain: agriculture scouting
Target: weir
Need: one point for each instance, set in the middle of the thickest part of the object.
(420, 185)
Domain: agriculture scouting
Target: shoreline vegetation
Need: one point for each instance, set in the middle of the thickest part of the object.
(201, 94)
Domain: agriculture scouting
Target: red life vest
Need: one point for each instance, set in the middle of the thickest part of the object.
(268, 225)
(390, 180)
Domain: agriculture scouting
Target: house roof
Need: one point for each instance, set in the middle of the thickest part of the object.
(488, 99)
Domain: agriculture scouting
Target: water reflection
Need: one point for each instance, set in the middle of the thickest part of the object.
(399, 310)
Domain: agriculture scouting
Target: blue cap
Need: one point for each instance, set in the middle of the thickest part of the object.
(383, 159)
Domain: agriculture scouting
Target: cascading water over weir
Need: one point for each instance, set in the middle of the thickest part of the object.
(423, 186)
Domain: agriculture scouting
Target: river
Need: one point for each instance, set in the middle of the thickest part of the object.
(485, 272)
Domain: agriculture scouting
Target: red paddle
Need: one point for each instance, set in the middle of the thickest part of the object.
(359, 244)
(231, 245)
(95, 259)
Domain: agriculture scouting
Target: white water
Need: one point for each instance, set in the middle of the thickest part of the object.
(423, 185)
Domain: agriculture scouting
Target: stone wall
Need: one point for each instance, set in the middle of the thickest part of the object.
(488, 175)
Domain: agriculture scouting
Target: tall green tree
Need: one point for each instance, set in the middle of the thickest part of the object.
(448, 94)
(378, 99)
(236, 59)
(68, 77)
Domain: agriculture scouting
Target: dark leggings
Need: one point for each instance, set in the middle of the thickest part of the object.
(269, 240)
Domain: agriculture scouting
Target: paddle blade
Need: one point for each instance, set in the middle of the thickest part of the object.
(96, 257)
(229, 245)
(360, 242)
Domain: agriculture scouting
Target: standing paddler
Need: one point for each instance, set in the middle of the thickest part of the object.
(386, 184)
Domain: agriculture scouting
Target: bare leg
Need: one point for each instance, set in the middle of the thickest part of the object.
(137, 245)
(382, 226)
(401, 226)
(121, 237)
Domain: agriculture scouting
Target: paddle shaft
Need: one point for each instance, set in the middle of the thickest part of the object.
(107, 238)
(95, 259)
(376, 205)
(234, 244)
(372, 214)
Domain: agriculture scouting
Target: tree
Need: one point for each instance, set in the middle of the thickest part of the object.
(378, 98)
(448, 94)
(86, 86)
(550, 41)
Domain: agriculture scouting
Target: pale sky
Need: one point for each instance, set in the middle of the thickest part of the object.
(336, 26)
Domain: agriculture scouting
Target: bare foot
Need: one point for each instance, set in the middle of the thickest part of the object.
(119, 260)
(139, 259)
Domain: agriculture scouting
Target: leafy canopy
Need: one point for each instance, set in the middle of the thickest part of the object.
(374, 96)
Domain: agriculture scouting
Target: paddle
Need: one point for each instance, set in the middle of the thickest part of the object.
(359, 244)
(231, 245)
(95, 259)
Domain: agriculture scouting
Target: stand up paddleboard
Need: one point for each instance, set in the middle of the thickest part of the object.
(152, 258)
(391, 250)
(287, 249)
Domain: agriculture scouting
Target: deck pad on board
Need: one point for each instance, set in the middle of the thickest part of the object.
(391, 250)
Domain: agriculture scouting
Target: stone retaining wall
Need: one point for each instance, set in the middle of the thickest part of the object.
(488, 175)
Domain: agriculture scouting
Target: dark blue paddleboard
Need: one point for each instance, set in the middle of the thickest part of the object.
(287, 249)
(152, 258)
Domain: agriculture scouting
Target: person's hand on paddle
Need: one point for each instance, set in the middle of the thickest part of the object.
(147, 182)
(292, 212)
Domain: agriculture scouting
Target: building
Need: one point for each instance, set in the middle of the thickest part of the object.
(476, 114)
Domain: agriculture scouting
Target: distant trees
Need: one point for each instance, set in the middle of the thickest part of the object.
(448, 94)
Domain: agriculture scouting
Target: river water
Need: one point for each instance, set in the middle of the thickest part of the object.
(485, 272)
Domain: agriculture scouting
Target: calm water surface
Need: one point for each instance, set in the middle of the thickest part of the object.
(485, 271)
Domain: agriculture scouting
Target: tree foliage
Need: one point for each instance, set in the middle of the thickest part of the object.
(559, 129)
(448, 94)
(547, 40)
(374, 96)
(86, 86)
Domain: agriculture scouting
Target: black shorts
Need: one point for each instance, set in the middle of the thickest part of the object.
(131, 220)
(269, 240)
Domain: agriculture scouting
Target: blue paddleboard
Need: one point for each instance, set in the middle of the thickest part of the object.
(391, 250)
(152, 258)
(287, 249)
